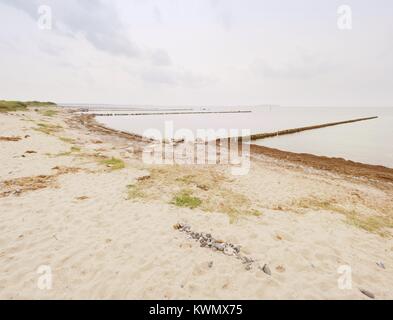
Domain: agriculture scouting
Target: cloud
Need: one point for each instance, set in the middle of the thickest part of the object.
(97, 21)
(181, 78)
(157, 14)
(304, 66)
(160, 58)
(223, 13)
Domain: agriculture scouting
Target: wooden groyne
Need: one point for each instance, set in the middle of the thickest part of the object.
(165, 113)
(295, 130)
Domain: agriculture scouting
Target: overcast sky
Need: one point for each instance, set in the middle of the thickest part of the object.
(198, 52)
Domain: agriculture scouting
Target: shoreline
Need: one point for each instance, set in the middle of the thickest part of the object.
(80, 200)
(332, 164)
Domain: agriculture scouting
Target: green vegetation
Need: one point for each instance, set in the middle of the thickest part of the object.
(10, 106)
(47, 128)
(372, 222)
(67, 140)
(134, 192)
(185, 199)
(40, 104)
(113, 163)
(48, 113)
(73, 150)
(202, 187)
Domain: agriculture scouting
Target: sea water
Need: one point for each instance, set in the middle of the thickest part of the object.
(366, 141)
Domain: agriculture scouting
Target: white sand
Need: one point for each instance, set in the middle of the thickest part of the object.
(106, 246)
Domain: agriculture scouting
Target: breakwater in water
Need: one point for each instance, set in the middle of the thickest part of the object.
(165, 113)
(295, 130)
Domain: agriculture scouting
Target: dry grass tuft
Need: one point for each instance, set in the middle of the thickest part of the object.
(377, 223)
(48, 128)
(202, 187)
(48, 113)
(73, 150)
(66, 170)
(25, 184)
(67, 140)
(14, 139)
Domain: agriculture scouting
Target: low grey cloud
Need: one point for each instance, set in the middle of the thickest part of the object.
(157, 14)
(303, 66)
(97, 21)
(223, 13)
(182, 78)
(160, 58)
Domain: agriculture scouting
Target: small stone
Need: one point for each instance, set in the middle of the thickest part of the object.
(177, 226)
(266, 270)
(280, 268)
(203, 187)
(229, 251)
(219, 246)
(367, 293)
(210, 264)
(248, 267)
(82, 198)
(246, 260)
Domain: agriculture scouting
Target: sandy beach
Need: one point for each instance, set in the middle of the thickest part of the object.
(78, 198)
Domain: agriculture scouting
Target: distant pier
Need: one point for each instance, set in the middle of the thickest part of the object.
(164, 113)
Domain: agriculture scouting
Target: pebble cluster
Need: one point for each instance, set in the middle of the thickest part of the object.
(207, 241)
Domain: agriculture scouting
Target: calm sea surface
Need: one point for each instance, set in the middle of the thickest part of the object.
(367, 141)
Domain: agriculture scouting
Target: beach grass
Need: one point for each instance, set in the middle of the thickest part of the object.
(48, 113)
(47, 128)
(372, 222)
(12, 106)
(113, 163)
(185, 199)
(135, 193)
(67, 140)
(200, 187)
(73, 150)
(40, 103)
